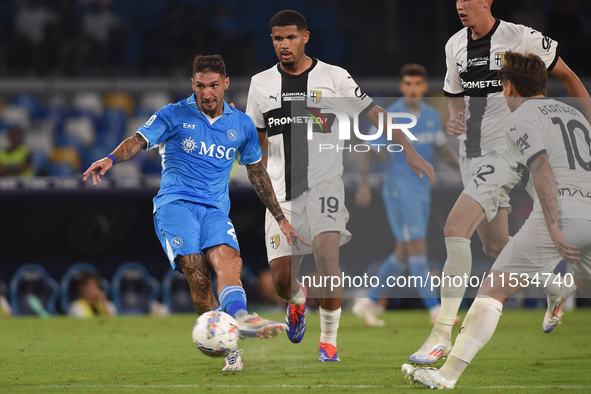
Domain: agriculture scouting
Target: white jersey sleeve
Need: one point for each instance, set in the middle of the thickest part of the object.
(524, 140)
(453, 82)
(346, 87)
(253, 108)
(543, 46)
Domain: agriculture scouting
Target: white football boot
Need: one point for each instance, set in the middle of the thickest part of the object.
(368, 310)
(554, 311)
(234, 361)
(427, 377)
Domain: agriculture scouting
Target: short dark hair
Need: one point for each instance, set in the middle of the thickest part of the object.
(288, 18)
(526, 72)
(214, 63)
(413, 69)
(82, 278)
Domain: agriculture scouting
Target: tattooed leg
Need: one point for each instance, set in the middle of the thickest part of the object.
(198, 275)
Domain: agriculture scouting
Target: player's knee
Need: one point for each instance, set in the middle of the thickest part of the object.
(453, 229)
(493, 249)
(281, 280)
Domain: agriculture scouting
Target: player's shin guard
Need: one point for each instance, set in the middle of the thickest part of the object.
(233, 300)
(329, 325)
(458, 264)
(477, 329)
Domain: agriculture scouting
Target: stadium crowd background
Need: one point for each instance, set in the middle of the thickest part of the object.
(78, 76)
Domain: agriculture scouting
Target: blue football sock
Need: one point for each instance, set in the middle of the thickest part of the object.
(419, 266)
(392, 266)
(233, 300)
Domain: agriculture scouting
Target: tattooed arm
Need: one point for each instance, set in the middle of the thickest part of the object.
(257, 174)
(543, 179)
(258, 177)
(125, 151)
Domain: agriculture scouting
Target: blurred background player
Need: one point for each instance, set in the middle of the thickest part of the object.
(478, 113)
(541, 136)
(407, 198)
(16, 160)
(198, 138)
(304, 178)
(93, 300)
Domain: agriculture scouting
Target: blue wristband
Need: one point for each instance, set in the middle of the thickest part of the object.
(112, 158)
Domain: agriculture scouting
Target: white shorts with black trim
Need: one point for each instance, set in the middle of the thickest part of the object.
(319, 209)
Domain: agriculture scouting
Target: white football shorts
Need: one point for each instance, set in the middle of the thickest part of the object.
(318, 210)
(532, 251)
(488, 179)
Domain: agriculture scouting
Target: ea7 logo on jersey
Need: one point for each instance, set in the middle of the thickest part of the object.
(275, 241)
(188, 126)
(522, 143)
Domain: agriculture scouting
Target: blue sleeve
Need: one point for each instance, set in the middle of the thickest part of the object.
(157, 129)
(250, 149)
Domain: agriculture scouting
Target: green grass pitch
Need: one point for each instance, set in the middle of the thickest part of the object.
(147, 354)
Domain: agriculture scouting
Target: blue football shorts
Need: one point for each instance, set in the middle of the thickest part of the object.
(408, 214)
(185, 228)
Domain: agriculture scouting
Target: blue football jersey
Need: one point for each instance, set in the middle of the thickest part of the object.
(429, 134)
(197, 155)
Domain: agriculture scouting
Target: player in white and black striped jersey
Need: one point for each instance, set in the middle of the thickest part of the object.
(542, 135)
(308, 182)
(478, 113)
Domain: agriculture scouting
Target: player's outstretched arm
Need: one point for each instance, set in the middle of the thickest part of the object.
(125, 151)
(574, 86)
(415, 161)
(258, 177)
(543, 179)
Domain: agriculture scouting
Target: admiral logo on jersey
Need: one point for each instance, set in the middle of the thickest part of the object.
(296, 96)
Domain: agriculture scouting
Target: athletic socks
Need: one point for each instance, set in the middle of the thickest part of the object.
(419, 266)
(233, 300)
(477, 329)
(392, 266)
(329, 325)
(299, 298)
(458, 263)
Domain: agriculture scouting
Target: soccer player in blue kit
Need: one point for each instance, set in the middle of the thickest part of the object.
(407, 198)
(198, 138)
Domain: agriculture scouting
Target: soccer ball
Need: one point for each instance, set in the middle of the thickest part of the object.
(216, 334)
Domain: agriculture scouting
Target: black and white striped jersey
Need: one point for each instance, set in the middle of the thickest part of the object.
(295, 163)
(472, 68)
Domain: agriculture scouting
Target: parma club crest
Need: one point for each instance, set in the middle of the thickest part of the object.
(275, 241)
(315, 96)
(500, 58)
